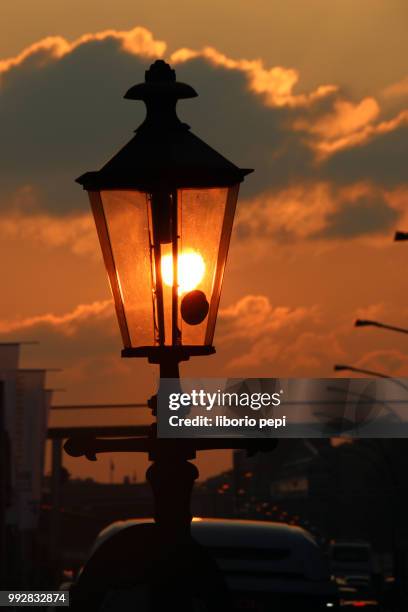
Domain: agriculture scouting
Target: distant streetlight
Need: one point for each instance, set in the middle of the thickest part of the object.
(368, 323)
(400, 236)
(349, 368)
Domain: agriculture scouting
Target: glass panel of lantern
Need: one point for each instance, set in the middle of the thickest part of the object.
(165, 254)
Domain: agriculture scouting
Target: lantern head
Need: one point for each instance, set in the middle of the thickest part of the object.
(164, 207)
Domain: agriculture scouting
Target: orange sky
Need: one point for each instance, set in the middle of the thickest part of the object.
(312, 246)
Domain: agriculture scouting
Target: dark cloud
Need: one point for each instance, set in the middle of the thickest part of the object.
(366, 215)
(63, 116)
(382, 160)
(236, 122)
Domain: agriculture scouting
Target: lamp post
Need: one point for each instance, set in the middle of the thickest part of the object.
(164, 207)
(400, 236)
(348, 368)
(369, 323)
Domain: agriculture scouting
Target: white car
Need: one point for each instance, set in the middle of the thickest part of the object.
(263, 566)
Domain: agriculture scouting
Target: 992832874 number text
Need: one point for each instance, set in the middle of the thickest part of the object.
(34, 598)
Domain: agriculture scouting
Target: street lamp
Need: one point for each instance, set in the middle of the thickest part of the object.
(348, 368)
(400, 236)
(164, 207)
(369, 323)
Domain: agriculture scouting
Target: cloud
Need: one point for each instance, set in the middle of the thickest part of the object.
(262, 339)
(359, 135)
(66, 324)
(312, 351)
(319, 210)
(85, 344)
(138, 41)
(347, 118)
(262, 332)
(253, 316)
(365, 215)
(275, 85)
(396, 90)
(259, 339)
(348, 125)
(76, 232)
(330, 168)
(393, 362)
(378, 156)
(372, 311)
(252, 112)
(344, 125)
(57, 100)
(299, 211)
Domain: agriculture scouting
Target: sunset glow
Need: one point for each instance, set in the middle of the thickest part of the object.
(312, 245)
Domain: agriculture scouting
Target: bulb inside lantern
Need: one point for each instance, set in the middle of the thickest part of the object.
(190, 270)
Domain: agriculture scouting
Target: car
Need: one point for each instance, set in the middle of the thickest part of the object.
(350, 558)
(351, 564)
(263, 566)
(357, 592)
